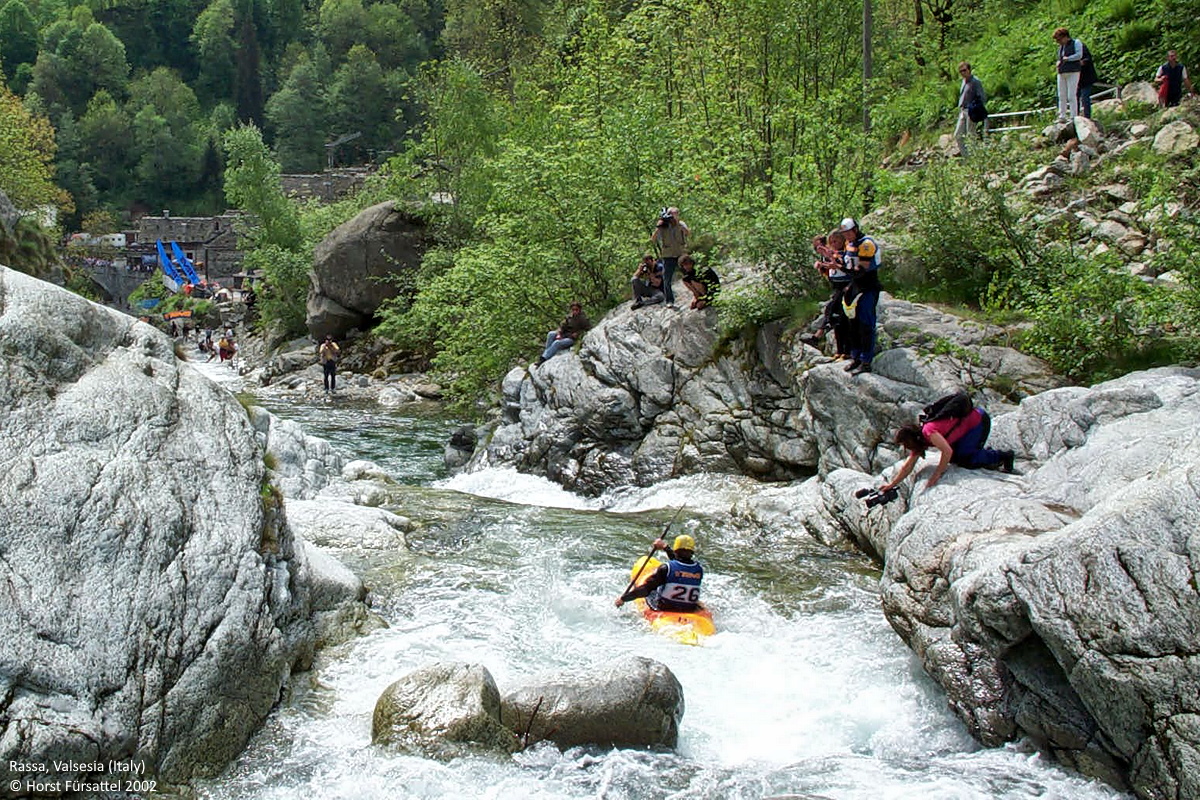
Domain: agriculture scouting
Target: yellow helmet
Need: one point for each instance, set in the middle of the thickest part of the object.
(684, 542)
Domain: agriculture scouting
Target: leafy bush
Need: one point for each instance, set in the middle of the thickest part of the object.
(964, 232)
(1078, 328)
(1136, 35)
(1122, 11)
(283, 300)
(150, 289)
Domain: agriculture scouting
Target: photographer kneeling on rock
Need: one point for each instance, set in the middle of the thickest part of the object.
(958, 430)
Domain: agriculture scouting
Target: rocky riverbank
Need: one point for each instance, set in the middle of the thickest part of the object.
(159, 600)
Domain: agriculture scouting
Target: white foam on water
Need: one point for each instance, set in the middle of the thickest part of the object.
(778, 702)
(515, 487)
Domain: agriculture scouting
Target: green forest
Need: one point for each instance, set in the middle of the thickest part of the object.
(539, 138)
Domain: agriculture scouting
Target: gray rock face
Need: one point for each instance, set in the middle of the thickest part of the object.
(1175, 138)
(648, 397)
(1141, 92)
(346, 288)
(1062, 605)
(156, 600)
(633, 702)
(8, 212)
(441, 710)
(339, 524)
(300, 464)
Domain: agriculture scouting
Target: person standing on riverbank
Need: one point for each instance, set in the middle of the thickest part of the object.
(862, 299)
(327, 355)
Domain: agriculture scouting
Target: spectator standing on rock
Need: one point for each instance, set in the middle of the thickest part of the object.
(574, 325)
(328, 355)
(1069, 65)
(862, 298)
(1173, 76)
(1087, 79)
(831, 263)
(670, 236)
(971, 109)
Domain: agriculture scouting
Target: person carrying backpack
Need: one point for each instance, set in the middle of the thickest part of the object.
(972, 108)
(958, 430)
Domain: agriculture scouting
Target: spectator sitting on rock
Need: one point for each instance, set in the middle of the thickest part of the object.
(705, 286)
(573, 326)
(647, 283)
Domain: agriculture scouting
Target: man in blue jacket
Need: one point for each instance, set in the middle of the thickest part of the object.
(674, 586)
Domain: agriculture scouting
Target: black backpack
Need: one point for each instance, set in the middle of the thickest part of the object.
(957, 406)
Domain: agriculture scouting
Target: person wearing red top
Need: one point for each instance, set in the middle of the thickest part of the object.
(959, 440)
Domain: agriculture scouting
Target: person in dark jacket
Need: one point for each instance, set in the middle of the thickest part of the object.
(573, 326)
(970, 96)
(704, 286)
(1173, 76)
(675, 585)
(1069, 65)
(1087, 79)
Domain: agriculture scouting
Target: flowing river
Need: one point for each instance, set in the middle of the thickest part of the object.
(805, 692)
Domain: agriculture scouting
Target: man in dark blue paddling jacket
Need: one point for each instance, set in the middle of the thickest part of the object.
(675, 585)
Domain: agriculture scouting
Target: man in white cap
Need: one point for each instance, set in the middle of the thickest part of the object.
(863, 257)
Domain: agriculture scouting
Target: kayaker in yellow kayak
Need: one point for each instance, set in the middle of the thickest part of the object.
(675, 585)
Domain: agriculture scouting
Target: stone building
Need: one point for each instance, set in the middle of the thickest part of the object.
(328, 186)
(210, 242)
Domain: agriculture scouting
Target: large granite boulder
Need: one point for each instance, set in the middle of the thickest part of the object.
(631, 702)
(443, 710)
(1061, 606)
(649, 396)
(156, 600)
(353, 264)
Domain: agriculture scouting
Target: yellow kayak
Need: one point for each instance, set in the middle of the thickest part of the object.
(686, 627)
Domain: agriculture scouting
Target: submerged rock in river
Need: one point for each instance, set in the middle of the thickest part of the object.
(155, 598)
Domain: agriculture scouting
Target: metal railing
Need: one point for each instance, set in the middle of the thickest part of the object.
(1022, 117)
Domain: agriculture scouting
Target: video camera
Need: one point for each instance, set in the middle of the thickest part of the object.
(665, 217)
(874, 497)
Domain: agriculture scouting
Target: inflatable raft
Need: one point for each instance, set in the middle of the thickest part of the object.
(686, 627)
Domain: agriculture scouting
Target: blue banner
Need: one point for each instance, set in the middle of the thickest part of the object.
(182, 261)
(168, 268)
